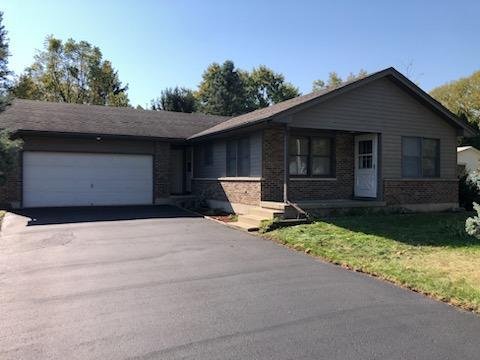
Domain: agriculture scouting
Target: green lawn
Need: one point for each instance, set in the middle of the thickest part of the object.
(430, 253)
(2, 214)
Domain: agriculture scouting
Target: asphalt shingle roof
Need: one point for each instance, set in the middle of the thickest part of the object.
(265, 114)
(30, 115)
(268, 112)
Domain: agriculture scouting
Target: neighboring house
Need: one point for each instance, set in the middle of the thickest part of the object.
(380, 138)
(468, 158)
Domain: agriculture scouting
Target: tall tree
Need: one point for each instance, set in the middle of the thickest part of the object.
(334, 79)
(4, 72)
(462, 97)
(176, 99)
(265, 87)
(226, 90)
(8, 147)
(73, 72)
(223, 90)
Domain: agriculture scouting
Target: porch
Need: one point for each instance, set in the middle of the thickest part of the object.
(331, 169)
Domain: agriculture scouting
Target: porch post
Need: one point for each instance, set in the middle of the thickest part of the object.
(285, 164)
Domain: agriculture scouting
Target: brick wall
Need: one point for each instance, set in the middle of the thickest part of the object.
(322, 189)
(272, 164)
(11, 190)
(233, 191)
(398, 192)
(161, 170)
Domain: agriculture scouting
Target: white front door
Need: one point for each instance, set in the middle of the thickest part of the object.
(366, 165)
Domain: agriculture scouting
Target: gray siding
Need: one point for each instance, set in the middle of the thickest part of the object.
(383, 107)
(218, 168)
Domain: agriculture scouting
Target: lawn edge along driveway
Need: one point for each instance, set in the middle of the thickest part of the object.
(427, 253)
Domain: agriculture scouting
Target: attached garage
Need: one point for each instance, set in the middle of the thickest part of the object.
(86, 179)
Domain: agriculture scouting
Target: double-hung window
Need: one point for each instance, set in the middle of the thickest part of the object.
(238, 157)
(311, 156)
(420, 157)
(208, 154)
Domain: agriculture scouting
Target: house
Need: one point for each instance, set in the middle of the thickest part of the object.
(378, 141)
(468, 159)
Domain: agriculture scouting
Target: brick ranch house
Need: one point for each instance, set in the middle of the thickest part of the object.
(378, 141)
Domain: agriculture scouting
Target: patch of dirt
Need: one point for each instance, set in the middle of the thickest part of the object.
(224, 218)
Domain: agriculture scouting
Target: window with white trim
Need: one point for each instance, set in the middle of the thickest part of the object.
(420, 157)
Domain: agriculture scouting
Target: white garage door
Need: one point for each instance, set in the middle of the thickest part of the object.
(83, 179)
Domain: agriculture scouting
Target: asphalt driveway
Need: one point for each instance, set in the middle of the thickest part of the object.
(158, 283)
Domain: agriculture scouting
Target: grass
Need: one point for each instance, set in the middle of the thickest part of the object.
(2, 214)
(429, 253)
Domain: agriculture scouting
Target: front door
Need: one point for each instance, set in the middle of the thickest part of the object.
(366, 165)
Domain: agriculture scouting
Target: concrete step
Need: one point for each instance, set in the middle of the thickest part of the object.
(273, 205)
(264, 213)
(245, 226)
(253, 220)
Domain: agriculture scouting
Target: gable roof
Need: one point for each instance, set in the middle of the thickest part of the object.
(63, 118)
(301, 102)
(42, 116)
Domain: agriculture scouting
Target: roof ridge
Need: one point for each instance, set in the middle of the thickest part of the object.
(291, 105)
(296, 101)
(118, 108)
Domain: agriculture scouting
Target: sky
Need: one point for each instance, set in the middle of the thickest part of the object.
(167, 43)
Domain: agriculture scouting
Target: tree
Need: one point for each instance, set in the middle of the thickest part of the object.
(8, 147)
(228, 91)
(176, 99)
(223, 90)
(334, 80)
(265, 87)
(4, 72)
(461, 97)
(72, 72)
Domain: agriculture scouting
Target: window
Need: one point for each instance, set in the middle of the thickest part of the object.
(243, 157)
(238, 157)
(420, 157)
(311, 156)
(365, 154)
(299, 150)
(208, 154)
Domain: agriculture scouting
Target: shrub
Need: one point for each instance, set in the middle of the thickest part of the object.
(9, 149)
(469, 186)
(472, 225)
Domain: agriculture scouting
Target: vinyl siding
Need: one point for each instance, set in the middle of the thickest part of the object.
(218, 167)
(383, 107)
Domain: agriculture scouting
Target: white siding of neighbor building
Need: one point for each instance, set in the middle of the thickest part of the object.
(383, 107)
(469, 157)
(218, 167)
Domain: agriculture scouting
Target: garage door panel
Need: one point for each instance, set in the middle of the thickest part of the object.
(80, 179)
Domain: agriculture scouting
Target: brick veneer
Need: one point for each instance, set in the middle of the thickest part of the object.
(322, 189)
(11, 190)
(272, 164)
(233, 191)
(161, 169)
(397, 192)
